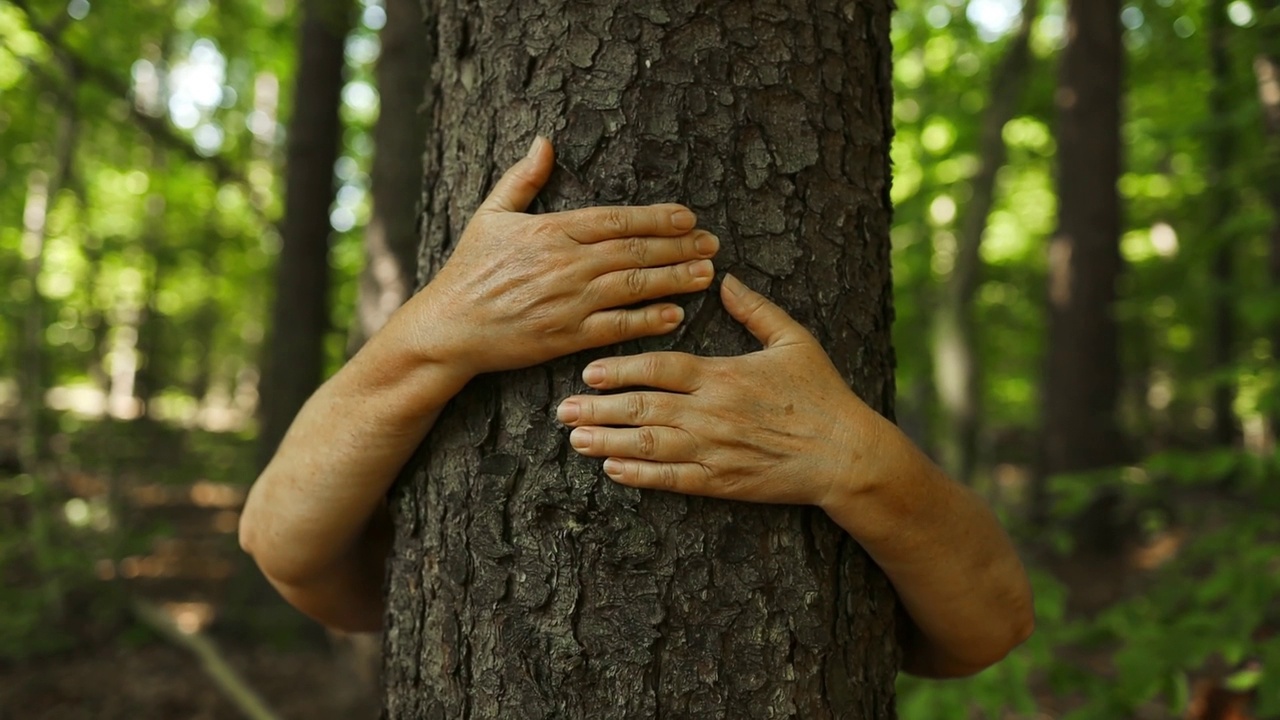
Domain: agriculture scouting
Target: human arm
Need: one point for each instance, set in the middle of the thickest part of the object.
(518, 290)
(759, 428)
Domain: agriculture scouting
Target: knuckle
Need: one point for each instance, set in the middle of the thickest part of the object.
(545, 227)
(648, 442)
(616, 220)
(637, 407)
(637, 250)
(622, 325)
(650, 367)
(668, 478)
(635, 280)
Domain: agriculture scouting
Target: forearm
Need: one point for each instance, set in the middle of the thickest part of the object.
(954, 568)
(308, 516)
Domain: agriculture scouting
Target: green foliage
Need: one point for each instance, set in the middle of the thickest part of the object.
(1211, 604)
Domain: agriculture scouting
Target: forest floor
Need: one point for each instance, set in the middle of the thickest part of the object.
(163, 682)
(131, 513)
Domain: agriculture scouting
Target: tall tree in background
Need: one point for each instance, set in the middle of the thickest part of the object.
(1082, 384)
(1266, 67)
(956, 362)
(522, 584)
(294, 359)
(43, 188)
(1222, 206)
(391, 238)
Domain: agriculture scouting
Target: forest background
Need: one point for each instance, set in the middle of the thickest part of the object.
(146, 243)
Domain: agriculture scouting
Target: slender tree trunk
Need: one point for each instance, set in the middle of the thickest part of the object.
(33, 375)
(391, 237)
(955, 355)
(1227, 431)
(148, 377)
(1266, 67)
(1082, 383)
(525, 584)
(294, 357)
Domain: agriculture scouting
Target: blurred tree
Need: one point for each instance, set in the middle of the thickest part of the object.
(1222, 206)
(521, 584)
(44, 185)
(293, 364)
(1267, 72)
(956, 364)
(391, 238)
(1082, 384)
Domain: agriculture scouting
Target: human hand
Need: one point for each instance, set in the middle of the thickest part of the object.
(524, 289)
(773, 426)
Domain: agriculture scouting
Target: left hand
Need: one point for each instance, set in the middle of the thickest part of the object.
(774, 426)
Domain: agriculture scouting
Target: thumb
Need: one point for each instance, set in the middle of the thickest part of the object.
(521, 183)
(769, 323)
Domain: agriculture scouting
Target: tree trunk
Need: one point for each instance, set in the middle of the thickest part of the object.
(1266, 67)
(391, 237)
(955, 362)
(33, 374)
(294, 358)
(1227, 431)
(523, 582)
(1082, 383)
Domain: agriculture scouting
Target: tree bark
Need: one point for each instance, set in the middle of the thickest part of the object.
(1082, 382)
(391, 237)
(294, 358)
(524, 583)
(956, 364)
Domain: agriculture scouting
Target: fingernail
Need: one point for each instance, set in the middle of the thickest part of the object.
(672, 314)
(580, 438)
(683, 219)
(702, 269)
(706, 244)
(613, 468)
(568, 412)
(533, 146)
(735, 285)
(593, 375)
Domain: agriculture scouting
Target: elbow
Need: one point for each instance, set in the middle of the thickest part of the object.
(1021, 626)
(253, 543)
(942, 664)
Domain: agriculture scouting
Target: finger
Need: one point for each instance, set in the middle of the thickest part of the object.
(647, 252)
(521, 183)
(626, 287)
(594, 224)
(614, 326)
(664, 444)
(685, 477)
(635, 409)
(769, 323)
(677, 372)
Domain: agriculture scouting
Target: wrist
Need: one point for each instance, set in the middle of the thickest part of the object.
(411, 364)
(862, 438)
(434, 337)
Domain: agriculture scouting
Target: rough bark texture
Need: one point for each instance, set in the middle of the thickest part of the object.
(294, 362)
(1082, 385)
(956, 363)
(525, 584)
(391, 237)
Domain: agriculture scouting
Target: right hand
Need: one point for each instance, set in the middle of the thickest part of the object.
(521, 289)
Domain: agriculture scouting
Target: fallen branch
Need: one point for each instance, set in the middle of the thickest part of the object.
(215, 666)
